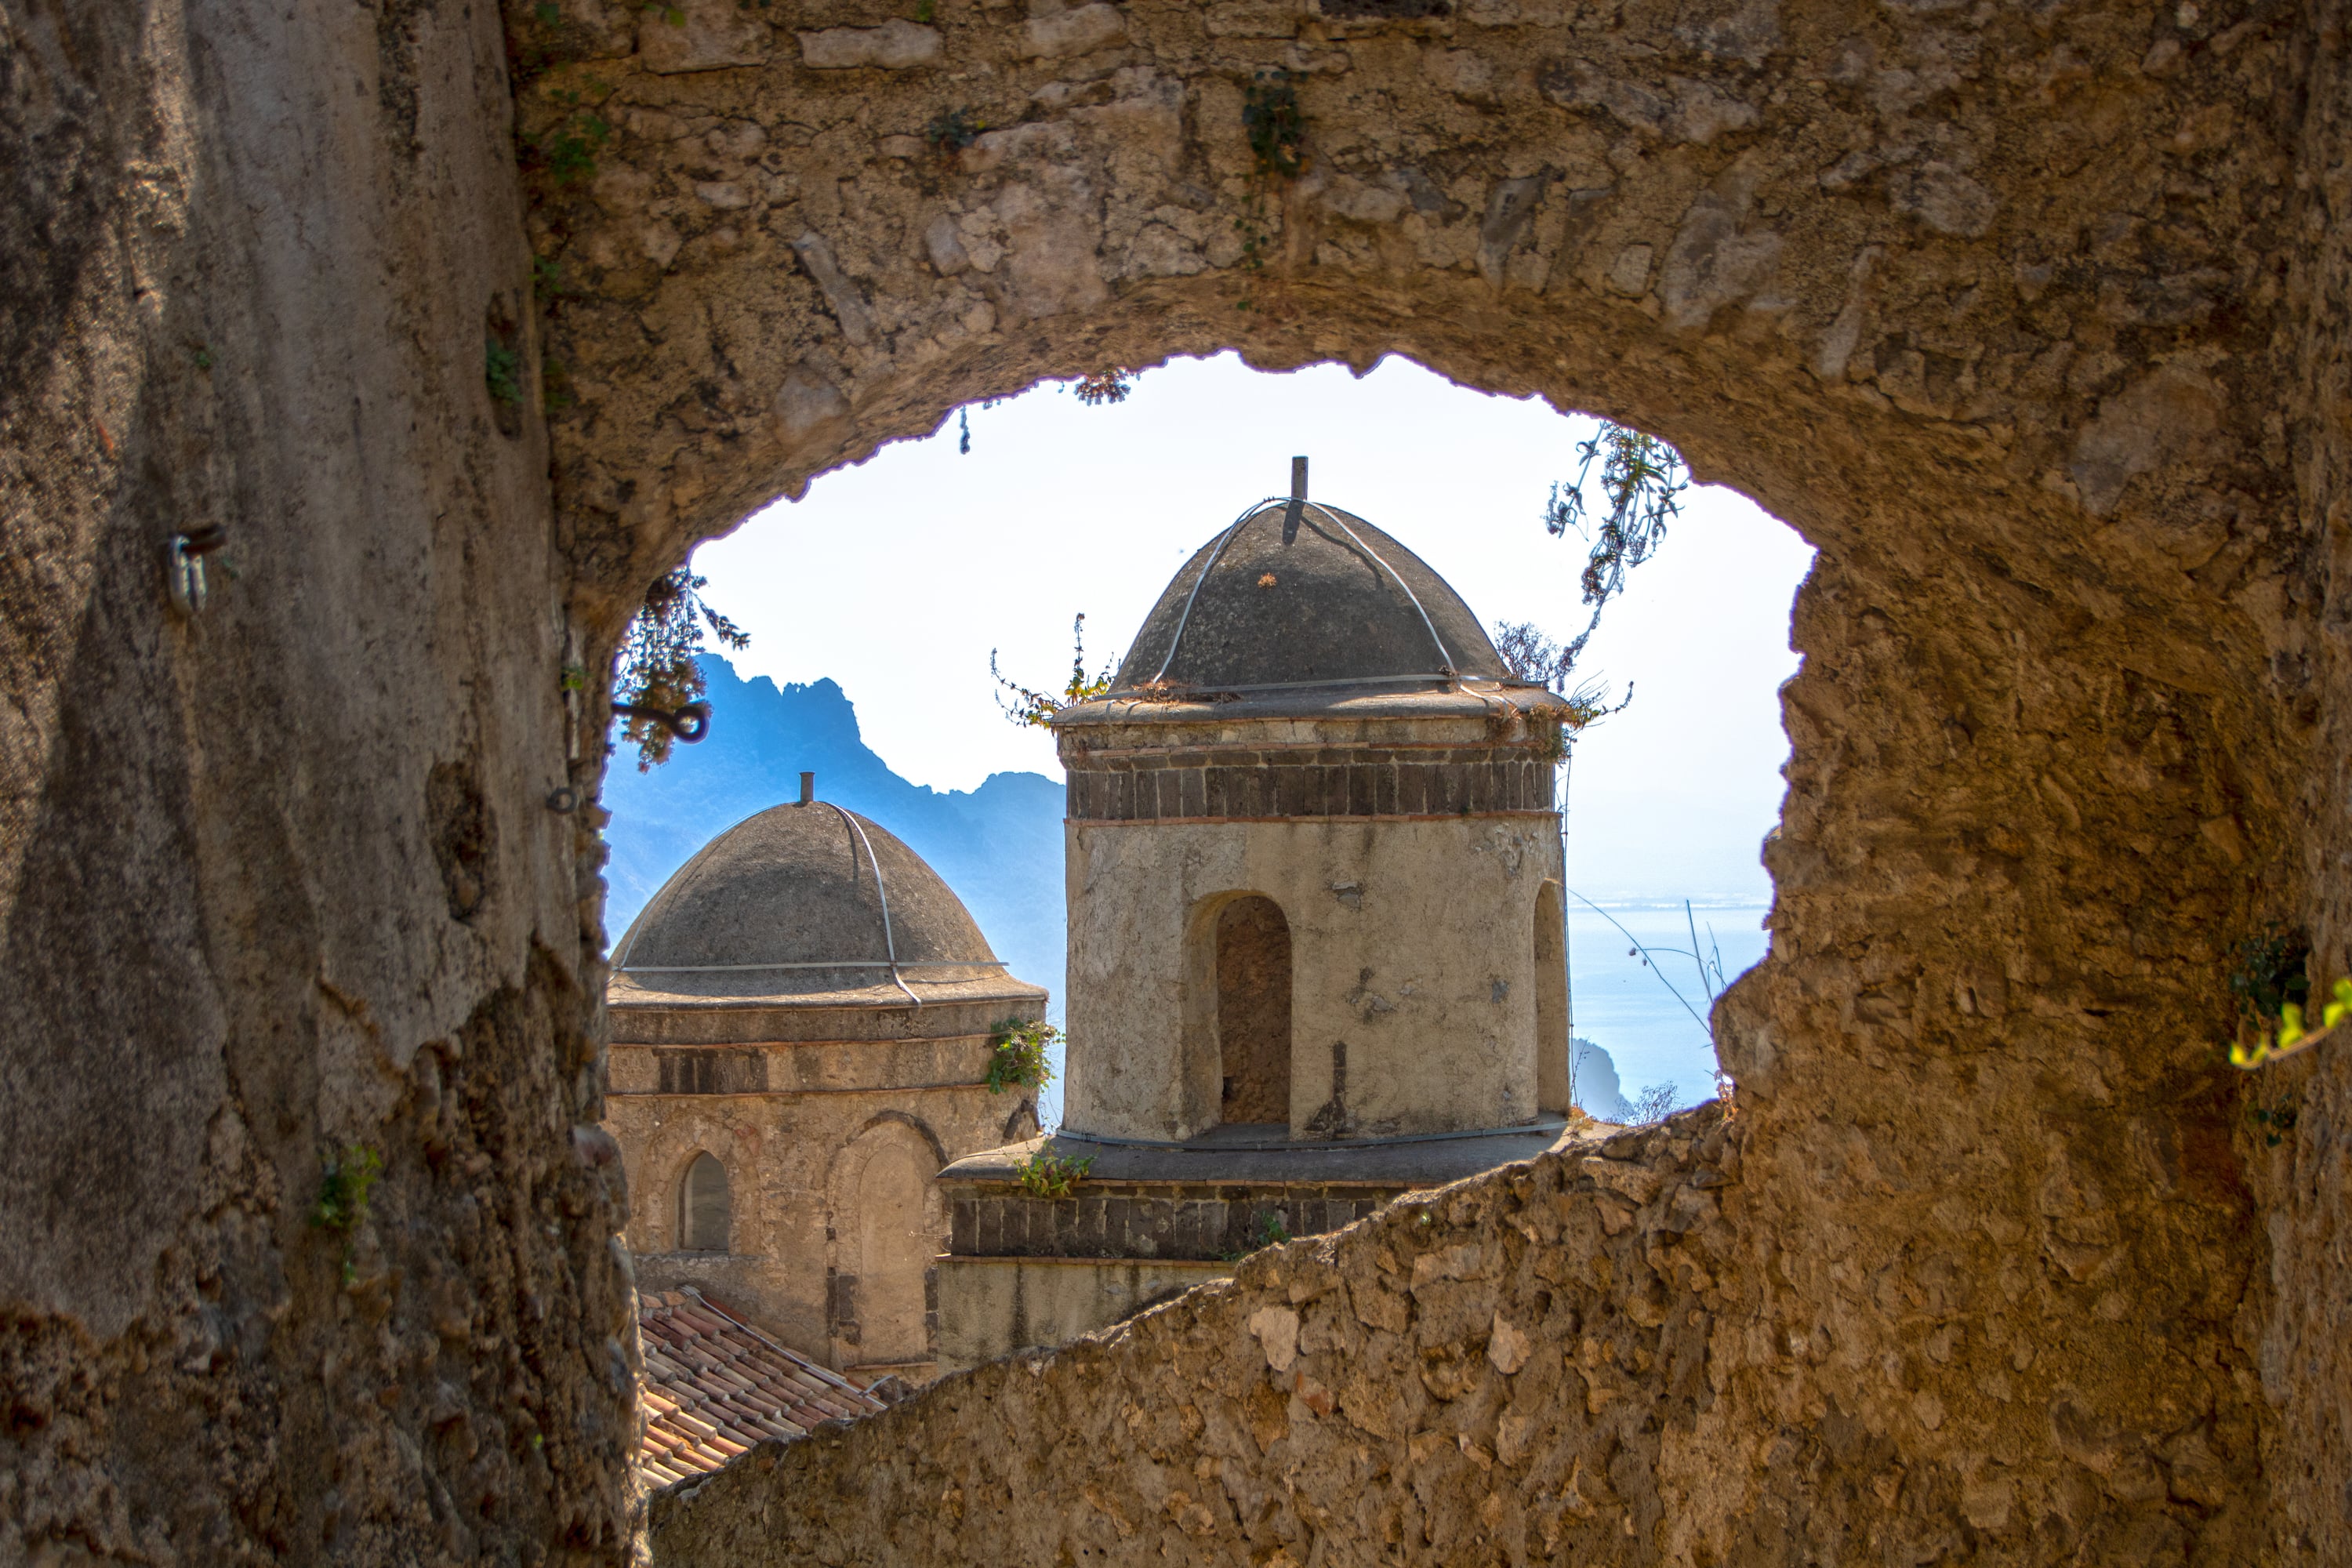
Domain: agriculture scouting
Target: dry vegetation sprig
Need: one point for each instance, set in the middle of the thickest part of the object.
(1034, 709)
(656, 673)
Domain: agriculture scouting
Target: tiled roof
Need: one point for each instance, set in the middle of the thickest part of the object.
(715, 1385)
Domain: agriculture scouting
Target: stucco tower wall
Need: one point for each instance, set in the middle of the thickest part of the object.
(1412, 945)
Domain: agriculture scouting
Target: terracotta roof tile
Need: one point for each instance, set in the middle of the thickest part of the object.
(714, 1385)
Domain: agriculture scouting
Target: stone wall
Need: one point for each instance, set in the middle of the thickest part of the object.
(283, 881)
(2001, 308)
(1529, 1365)
(2030, 318)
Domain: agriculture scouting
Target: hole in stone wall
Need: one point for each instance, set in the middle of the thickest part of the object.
(931, 558)
(1254, 1011)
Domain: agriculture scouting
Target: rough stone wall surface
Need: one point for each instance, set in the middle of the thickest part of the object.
(2302, 1181)
(1575, 1359)
(2032, 318)
(280, 882)
(1999, 306)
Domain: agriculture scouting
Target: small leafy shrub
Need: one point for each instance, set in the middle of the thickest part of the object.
(1018, 1059)
(502, 371)
(344, 1187)
(1272, 121)
(2275, 1123)
(570, 152)
(1045, 1174)
(1267, 1228)
(2269, 980)
(955, 130)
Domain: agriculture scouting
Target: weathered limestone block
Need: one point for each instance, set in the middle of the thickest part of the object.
(897, 45)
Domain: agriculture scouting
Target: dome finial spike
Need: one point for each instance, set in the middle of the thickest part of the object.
(1297, 500)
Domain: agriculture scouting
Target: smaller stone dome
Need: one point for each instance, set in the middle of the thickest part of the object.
(806, 905)
(1331, 600)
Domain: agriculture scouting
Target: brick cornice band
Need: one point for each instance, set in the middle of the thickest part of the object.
(1182, 786)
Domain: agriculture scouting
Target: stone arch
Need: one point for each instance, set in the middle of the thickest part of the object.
(2032, 463)
(885, 1222)
(2029, 318)
(704, 1204)
(1550, 940)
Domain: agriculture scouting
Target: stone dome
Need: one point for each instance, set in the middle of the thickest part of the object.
(785, 907)
(1332, 601)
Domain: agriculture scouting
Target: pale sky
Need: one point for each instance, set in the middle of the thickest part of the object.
(896, 577)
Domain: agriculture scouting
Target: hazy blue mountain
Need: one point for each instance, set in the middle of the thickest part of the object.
(999, 846)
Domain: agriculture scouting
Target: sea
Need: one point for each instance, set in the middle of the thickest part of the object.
(1636, 989)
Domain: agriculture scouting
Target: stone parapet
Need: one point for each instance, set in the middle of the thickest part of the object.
(991, 1306)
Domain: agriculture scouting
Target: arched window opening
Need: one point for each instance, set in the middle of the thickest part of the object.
(702, 1207)
(1552, 1082)
(1254, 1011)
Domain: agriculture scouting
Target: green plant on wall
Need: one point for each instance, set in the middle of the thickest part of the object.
(502, 371)
(2270, 980)
(1045, 1174)
(954, 130)
(345, 1185)
(1017, 1055)
(1276, 128)
(2273, 1121)
(1267, 1228)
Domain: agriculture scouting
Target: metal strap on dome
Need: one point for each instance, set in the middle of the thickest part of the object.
(889, 945)
(1223, 540)
(1444, 656)
(1259, 508)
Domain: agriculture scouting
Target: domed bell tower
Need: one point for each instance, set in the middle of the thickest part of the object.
(1315, 946)
(1314, 854)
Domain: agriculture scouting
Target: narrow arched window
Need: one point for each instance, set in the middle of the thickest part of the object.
(702, 1207)
(1253, 1010)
